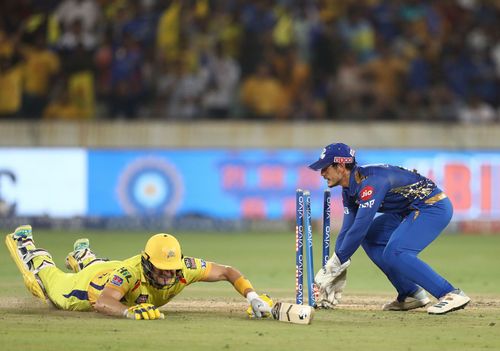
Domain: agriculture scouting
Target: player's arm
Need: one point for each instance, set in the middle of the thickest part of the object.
(368, 206)
(350, 211)
(220, 272)
(241, 284)
(109, 302)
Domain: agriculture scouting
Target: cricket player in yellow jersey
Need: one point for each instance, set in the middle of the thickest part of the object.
(133, 288)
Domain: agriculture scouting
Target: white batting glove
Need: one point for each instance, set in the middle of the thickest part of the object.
(259, 307)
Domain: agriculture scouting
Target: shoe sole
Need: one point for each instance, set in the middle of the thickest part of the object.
(423, 303)
(453, 309)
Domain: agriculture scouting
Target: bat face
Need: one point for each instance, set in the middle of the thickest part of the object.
(292, 313)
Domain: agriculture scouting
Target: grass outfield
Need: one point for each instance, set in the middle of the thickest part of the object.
(210, 316)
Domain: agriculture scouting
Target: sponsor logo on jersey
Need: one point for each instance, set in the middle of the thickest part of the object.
(346, 210)
(123, 271)
(117, 280)
(366, 193)
(190, 262)
(368, 204)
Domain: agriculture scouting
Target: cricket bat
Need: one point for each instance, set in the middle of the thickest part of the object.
(292, 313)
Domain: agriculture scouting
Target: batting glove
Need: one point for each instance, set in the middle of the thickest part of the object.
(143, 311)
(260, 306)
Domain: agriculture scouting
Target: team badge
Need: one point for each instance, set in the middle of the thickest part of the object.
(323, 154)
(118, 281)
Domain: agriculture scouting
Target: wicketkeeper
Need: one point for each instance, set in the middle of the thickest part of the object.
(413, 210)
(133, 288)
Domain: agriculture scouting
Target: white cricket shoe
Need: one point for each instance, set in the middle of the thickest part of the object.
(417, 300)
(454, 300)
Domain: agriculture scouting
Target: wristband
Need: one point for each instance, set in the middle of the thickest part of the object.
(252, 295)
(242, 284)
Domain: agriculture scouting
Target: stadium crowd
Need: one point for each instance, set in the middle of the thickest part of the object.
(352, 60)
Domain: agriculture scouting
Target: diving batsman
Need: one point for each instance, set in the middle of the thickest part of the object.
(133, 288)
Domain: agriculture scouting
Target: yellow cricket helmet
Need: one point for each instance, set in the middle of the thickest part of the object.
(164, 252)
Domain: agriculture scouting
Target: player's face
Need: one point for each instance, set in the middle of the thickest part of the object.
(163, 277)
(333, 174)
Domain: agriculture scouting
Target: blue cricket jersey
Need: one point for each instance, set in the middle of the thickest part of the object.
(378, 188)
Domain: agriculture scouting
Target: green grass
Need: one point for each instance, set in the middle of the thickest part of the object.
(470, 262)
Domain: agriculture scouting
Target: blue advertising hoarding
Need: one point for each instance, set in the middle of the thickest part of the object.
(230, 184)
(217, 183)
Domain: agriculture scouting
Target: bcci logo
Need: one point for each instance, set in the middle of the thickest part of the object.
(150, 186)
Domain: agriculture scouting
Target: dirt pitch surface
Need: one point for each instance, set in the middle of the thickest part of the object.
(232, 305)
(353, 302)
(236, 305)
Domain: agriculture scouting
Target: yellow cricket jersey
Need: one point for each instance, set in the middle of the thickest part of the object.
(79, 291)
(40, 67)
(129, 279)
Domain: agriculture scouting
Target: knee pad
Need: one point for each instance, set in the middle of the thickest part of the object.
(38, 259)
(29, 260)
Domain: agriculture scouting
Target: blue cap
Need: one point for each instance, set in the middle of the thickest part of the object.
(334, 153)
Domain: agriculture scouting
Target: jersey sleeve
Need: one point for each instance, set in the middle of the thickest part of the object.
(122, 279)
(370, 197)
(195, 269)
(350, 211)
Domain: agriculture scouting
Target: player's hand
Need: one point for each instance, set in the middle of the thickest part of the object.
(331, 270)
(260, 306)
(330, 295)
(143, 311)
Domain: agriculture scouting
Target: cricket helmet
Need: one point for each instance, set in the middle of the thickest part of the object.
(164, 252)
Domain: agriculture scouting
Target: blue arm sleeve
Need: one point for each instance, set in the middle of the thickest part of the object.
(347, 221)
(366, 212)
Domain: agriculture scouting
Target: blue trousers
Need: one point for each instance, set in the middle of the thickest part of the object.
(393, 243)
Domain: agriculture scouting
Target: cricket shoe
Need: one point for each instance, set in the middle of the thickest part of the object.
(416, 300)
(81, 256)
(22, 250)
(454, 300)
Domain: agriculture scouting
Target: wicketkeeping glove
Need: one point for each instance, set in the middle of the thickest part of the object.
(330, 295)
(260, 306)
(331, 270)
(143, 311)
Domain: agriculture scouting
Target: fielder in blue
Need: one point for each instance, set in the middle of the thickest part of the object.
(413, 210)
